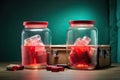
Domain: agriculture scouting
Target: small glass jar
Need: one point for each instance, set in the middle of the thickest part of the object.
(82, 40)
(35, 44)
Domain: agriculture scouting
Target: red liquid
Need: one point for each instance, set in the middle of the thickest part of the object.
(32, 57)
(82, 57)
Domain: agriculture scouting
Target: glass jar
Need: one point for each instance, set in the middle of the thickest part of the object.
(35, 44)
(82, 40)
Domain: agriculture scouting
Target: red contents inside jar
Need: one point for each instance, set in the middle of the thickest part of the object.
(32, 57)
(33, 51)
(82, 54)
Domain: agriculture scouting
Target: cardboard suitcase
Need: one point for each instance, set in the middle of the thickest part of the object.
(59, 55)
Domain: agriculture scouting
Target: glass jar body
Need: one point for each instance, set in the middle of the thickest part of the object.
(35, 47)
(82, 47)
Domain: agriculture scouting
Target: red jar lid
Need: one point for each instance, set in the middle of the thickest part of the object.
(35, 24)
(81, 23)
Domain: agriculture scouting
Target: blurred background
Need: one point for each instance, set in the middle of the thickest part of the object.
(58, 13)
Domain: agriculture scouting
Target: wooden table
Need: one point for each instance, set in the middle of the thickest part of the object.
(112, 73)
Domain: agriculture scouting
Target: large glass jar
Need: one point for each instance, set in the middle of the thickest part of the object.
(35, 44)
(82, 40)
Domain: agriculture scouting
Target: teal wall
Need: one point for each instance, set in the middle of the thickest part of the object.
(113, 30)
(56, 12)
(118, 25)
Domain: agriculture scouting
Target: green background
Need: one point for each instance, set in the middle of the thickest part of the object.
(58, 13)
(118, 25)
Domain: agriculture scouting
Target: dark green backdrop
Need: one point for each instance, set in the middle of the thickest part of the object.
(118, 25)
(56, 12)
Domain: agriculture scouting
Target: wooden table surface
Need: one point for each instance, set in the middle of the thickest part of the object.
(111, 73)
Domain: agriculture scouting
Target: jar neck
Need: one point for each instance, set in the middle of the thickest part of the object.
(82, 25)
